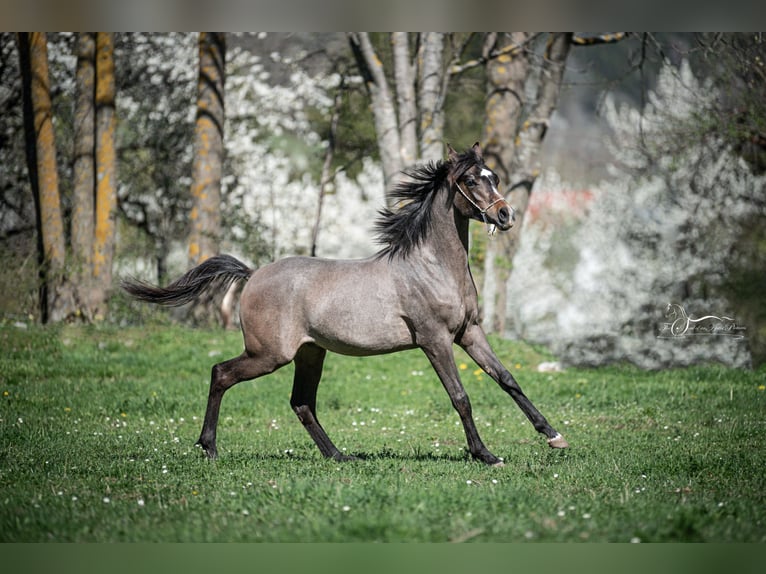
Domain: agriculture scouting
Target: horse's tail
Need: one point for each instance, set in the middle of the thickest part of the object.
(220, 271)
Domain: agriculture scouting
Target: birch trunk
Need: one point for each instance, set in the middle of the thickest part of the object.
(404, 77)
(410, 129)
(383, 108)
(433, 81)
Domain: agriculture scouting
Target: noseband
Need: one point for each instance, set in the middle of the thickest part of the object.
(491, 227)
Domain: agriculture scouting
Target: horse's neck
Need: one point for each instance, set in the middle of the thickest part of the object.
(449, 237)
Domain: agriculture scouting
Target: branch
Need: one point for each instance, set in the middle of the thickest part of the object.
(602, 39)
(511, 50)
(369, 63)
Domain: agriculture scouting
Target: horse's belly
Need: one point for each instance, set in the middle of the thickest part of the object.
(357, 332)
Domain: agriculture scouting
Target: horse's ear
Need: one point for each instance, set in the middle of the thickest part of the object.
(477, 148)
(452, 154)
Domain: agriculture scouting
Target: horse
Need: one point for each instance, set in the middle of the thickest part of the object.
(416, 292)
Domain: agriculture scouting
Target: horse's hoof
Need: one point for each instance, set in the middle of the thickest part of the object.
(558, 441)
(345, 457)
(210, 453)
(498, 464)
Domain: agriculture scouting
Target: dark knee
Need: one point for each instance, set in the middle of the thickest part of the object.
(218, 377)
(508, 383)
(304, 413)
(462, 404)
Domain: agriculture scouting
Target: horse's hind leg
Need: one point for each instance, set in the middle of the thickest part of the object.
(308, 371)
(224, 376)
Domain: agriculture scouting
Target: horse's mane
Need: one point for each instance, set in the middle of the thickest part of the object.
(403, 228)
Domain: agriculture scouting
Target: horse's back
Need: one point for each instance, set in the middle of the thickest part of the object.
(345, 306)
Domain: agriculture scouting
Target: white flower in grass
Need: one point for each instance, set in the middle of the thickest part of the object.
(141, 502)
(346, 508)
(106, 500)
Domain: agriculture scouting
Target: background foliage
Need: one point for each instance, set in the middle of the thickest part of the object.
(663, 135)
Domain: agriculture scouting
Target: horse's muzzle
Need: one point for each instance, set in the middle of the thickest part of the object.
(505, 217)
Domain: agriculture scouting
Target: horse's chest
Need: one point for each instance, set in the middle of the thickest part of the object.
(448, 303)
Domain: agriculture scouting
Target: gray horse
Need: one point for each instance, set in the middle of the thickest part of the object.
(416, 292)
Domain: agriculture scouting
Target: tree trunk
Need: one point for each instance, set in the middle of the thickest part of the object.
(433, 79)
(82, 224)
(41, 157)
(404, 76)
(506, 77)
(512, 149)
(412, 128)
(383, 108)
(106, 172)
(207, 165)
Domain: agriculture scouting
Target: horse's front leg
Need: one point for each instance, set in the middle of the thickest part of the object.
(475, 343)
(444, 364)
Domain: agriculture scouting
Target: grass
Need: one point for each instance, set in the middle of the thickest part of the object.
(97, 427)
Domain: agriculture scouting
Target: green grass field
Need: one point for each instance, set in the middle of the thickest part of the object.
(97, 427)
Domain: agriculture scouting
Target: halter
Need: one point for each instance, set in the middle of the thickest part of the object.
(491, 227)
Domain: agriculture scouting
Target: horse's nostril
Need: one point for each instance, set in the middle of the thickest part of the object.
(503, 214)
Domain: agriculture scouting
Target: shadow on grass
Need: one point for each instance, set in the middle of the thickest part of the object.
(383, 455)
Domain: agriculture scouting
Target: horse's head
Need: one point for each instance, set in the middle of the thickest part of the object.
(476, 184)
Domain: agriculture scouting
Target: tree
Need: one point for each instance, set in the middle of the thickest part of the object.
(207, 164)
(515, 126)
(409, 122)
(55, 298)
(521, 99)
(84, 170)
(106, 172)
(83, 289)
(94, 195)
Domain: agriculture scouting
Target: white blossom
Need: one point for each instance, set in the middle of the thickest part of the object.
(660, 230)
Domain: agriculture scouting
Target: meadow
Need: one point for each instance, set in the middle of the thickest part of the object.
(97, 427)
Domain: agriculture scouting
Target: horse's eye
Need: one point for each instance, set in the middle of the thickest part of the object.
(470, 182)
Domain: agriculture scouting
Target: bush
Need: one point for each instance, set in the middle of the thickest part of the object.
(662, 230)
